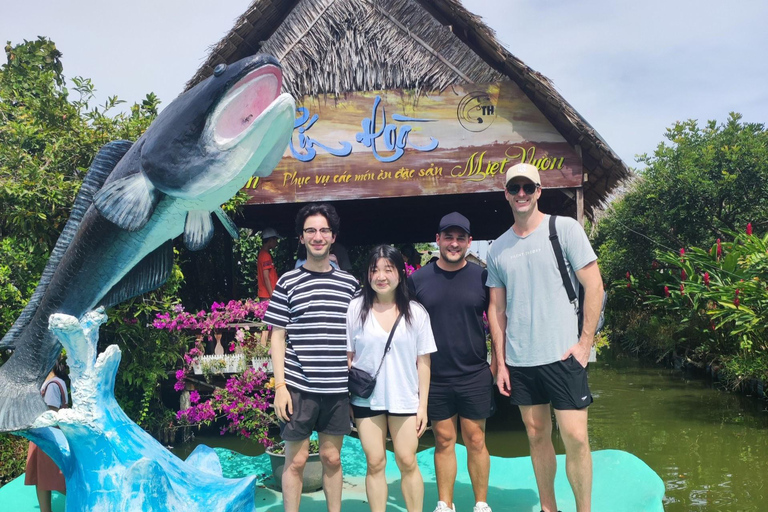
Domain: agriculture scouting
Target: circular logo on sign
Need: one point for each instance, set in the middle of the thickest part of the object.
(476, 111)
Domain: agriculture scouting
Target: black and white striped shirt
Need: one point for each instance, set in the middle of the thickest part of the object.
(312, 308)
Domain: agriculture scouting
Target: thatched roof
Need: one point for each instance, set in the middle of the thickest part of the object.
(338, 46)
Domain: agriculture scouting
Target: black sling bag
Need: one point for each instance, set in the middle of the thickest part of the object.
(576, 300)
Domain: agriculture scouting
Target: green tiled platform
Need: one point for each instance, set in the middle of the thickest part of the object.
(622, 483)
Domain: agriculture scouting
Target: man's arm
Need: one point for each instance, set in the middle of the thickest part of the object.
(590, 278)
(268, 284)
(497, 322)
(283, 404)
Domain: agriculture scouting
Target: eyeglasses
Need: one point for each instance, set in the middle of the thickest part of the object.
(313, 231)
(528, 188)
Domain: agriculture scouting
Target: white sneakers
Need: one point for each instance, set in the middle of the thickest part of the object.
(480, 506)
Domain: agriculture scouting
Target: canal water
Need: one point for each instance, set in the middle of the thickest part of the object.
(709, 447)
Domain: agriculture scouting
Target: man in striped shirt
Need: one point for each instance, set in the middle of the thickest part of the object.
(309, 356)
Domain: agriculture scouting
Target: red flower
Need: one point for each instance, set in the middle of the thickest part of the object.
(712, 325)
(628, 274)
(666, 291)
(682, 251)
(682, 289)
(683, 275)
(736, 300)
(719, 249)
(629, 285)
(706, 279)
(655, 265)
(749, 228)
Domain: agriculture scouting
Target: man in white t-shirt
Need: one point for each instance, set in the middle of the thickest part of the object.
(541, 359)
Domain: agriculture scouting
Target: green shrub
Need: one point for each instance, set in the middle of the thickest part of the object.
(13, 457)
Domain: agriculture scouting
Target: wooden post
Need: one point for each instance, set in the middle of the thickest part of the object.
(580, 205)
(580, 189)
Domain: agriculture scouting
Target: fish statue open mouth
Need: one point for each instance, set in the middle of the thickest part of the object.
(136, 198)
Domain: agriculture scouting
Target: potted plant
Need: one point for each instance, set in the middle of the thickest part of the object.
(245, 407)
(313, 471)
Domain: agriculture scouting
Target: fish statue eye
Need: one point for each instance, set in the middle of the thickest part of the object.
(220, 69)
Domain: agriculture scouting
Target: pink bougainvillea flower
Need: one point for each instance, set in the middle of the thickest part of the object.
(194, 397)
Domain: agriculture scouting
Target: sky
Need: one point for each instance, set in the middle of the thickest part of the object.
(631, 69)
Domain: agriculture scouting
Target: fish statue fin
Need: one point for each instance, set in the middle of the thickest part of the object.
(20, 405)
(198, 229)
(103, 164)
(128, 202)
(149, 274)
(227, 223)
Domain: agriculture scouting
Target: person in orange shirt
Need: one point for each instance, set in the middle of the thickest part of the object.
(267, 273)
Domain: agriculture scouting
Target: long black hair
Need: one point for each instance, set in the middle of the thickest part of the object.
(402, 297)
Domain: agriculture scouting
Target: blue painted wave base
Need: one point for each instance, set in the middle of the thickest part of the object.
(109, 463)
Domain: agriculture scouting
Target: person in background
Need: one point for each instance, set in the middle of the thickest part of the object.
(399, 400)
(411, 256)
(41, 471)
(461, 393)
(308, 314)
(541, 358)
(266, 271)
(342, 256)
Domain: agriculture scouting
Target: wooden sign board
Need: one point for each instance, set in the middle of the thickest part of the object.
(396, 143)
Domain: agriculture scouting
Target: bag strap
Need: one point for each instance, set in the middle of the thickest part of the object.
(572, 297)
(389, 342)
(61, 390)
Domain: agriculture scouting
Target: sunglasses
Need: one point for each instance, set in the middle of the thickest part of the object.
(528, 188)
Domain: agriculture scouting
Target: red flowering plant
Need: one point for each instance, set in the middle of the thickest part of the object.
(723, 293)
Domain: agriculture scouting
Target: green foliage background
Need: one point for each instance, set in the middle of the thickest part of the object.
(702, 184)
(48, 137)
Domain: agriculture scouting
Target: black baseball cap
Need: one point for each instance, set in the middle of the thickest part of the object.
(454, 220)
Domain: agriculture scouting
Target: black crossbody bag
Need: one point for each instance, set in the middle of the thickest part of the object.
(576, 300)
(361, 383)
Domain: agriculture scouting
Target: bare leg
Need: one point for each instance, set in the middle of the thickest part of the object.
(445, 458)
(538, 425)
(373, 438)
(578, 457)
(44, 499)
(478, 458)
(296, 453)
(406, 442)
(330, 456)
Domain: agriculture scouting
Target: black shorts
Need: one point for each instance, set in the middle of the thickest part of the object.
(361, 412)
(470, 397)
(328, 414)
(562, 383)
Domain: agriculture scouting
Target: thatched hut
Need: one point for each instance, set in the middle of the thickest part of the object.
(434, 79)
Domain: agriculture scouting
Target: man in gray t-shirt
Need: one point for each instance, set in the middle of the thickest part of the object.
(540, 357)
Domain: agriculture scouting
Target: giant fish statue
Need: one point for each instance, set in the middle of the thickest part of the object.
(135, 199)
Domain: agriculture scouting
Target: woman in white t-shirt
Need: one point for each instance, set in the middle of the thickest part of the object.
(399, 400)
